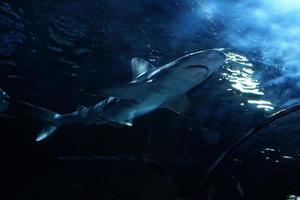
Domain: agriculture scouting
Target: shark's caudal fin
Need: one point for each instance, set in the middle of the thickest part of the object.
(48, 119)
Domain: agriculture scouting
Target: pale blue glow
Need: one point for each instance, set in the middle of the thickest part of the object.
(267, 28)
(282, 5)
(47, 131)
(56, 116)
(41, 137)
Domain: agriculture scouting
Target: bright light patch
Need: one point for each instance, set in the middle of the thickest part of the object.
(262, 104)
(259, 102)
(240, 74)
(41, 137)
(267, 29)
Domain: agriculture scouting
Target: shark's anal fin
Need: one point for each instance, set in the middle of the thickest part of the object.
(140, 66)
(180, 105)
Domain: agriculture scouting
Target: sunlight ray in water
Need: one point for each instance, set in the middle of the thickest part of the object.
(240, 74)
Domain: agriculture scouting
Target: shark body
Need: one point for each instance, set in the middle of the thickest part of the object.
(151, 88)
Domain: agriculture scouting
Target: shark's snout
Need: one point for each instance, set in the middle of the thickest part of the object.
(214, 59)
(216, 55)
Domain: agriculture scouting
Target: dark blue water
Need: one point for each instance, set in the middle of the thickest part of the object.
(49, 50)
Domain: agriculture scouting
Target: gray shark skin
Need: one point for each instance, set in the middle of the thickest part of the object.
(151, 88)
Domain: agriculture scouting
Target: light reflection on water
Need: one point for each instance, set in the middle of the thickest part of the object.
(274, 155)
(240, 73)
(277, 155)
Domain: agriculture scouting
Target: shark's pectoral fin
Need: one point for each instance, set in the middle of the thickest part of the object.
(140, 66)
(124, 91)
(180, 105)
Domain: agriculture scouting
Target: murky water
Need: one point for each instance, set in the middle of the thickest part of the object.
(49, 50)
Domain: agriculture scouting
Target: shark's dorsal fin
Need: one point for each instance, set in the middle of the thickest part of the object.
(140, 66)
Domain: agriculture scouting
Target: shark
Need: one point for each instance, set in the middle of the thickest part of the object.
(150, 88)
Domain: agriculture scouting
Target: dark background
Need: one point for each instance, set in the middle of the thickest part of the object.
(51, 49)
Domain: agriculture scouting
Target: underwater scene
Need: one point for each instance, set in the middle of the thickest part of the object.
(150, 99)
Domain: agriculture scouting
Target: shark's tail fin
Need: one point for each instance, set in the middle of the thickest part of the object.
(49, 120)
